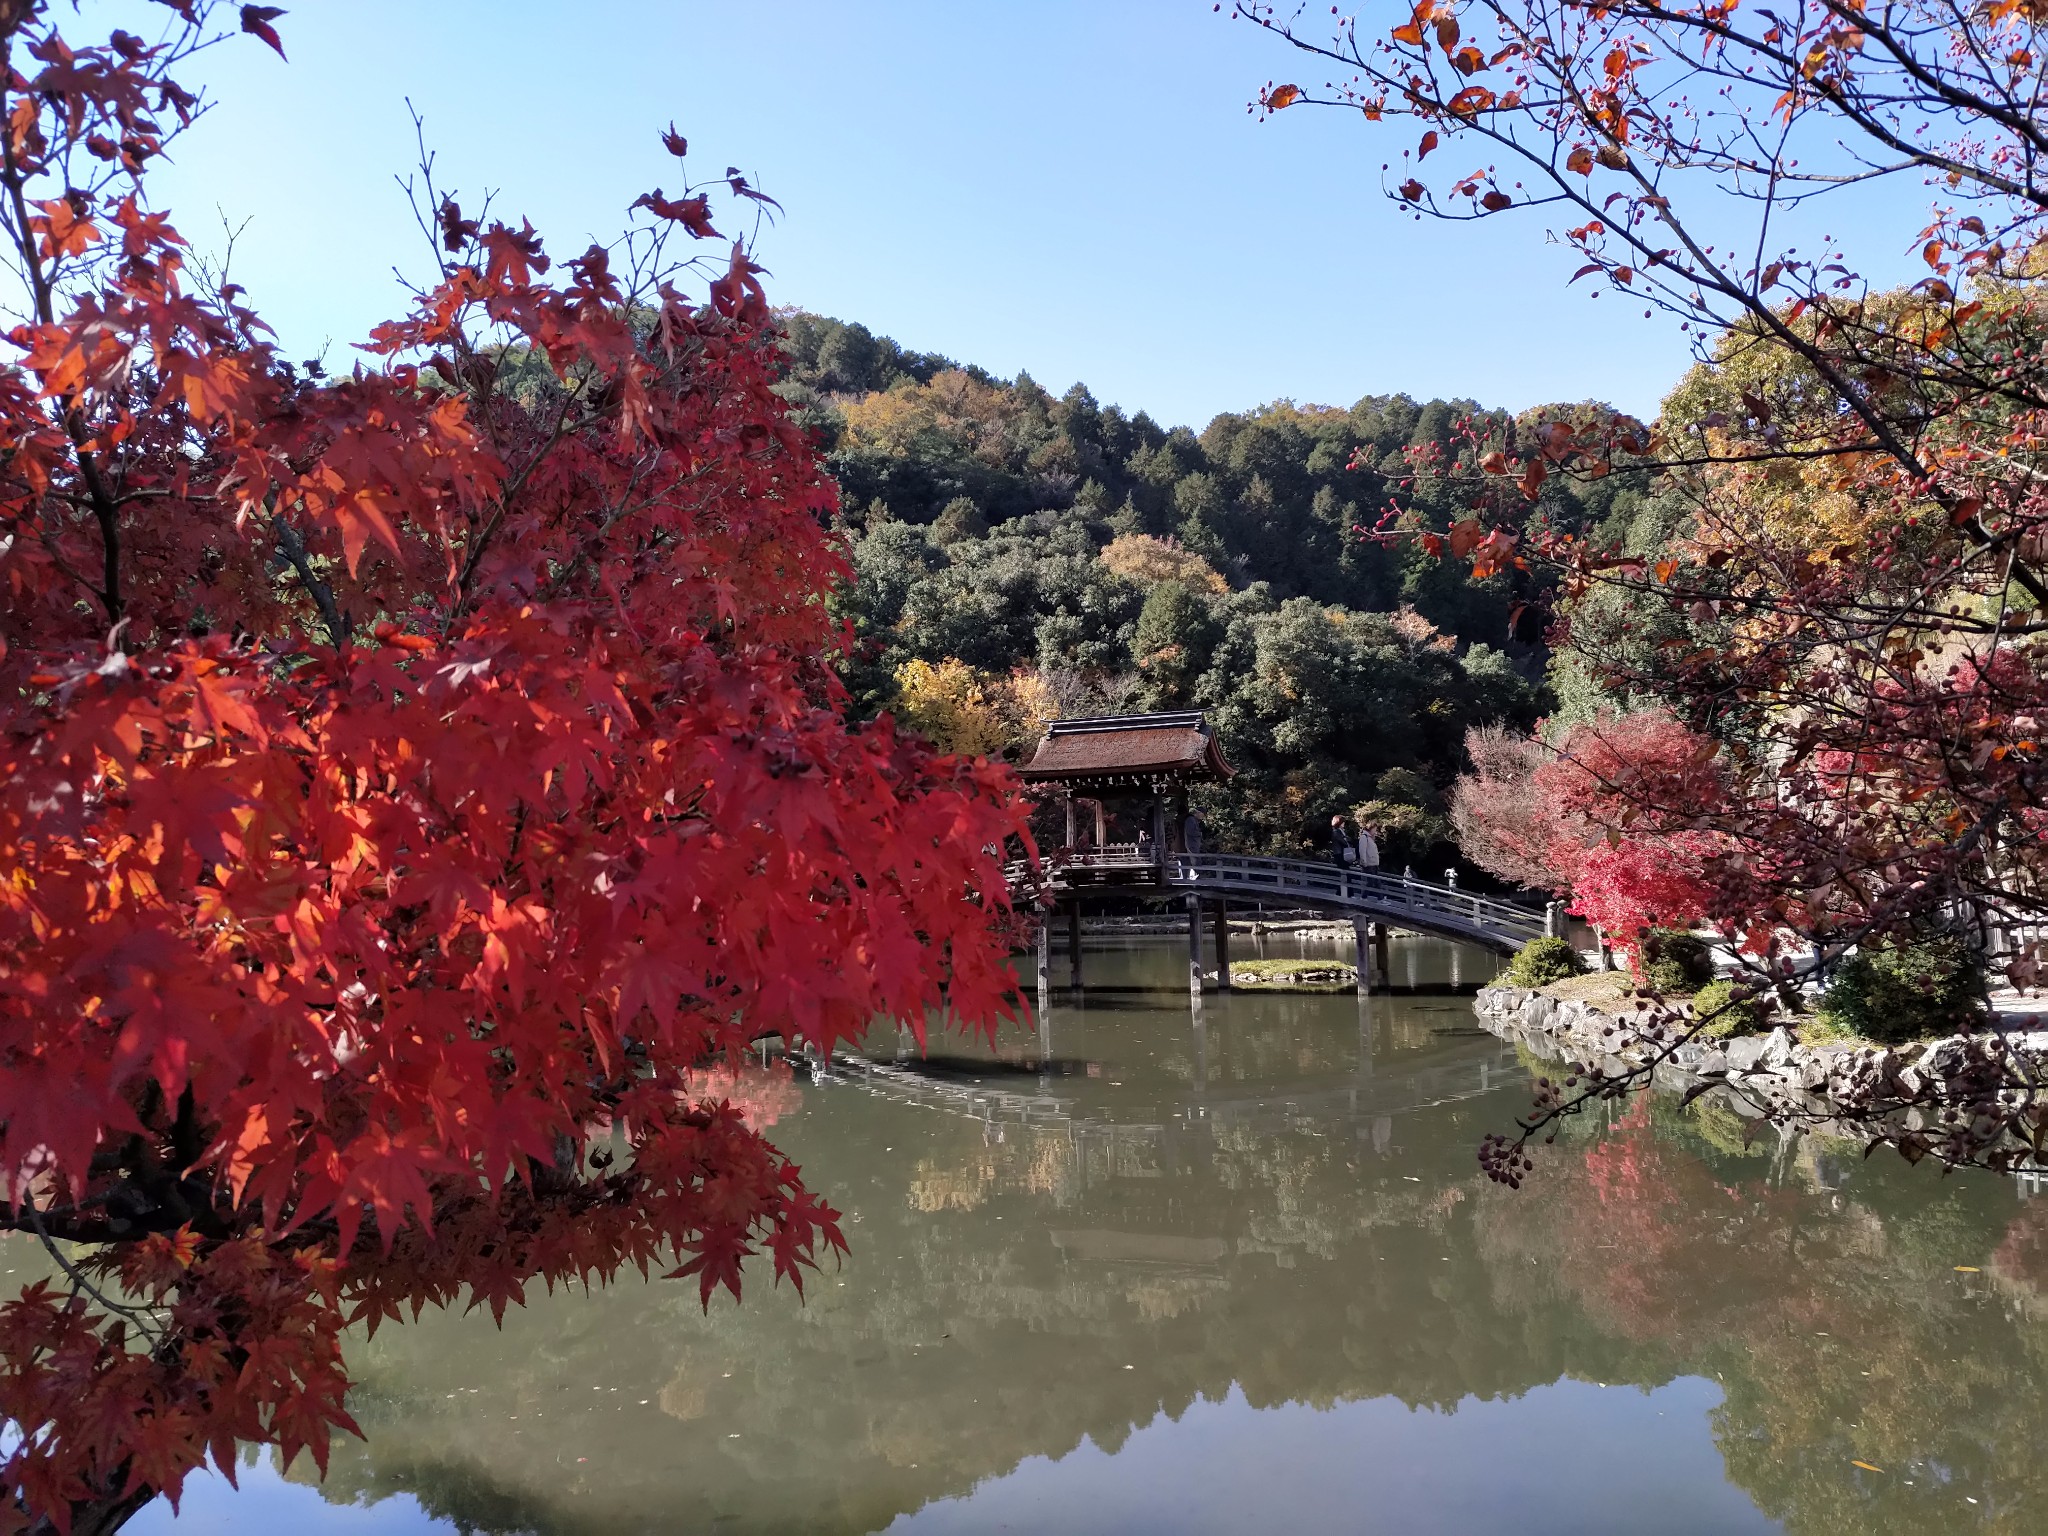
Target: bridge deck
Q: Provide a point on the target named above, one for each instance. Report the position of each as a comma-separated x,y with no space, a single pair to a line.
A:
1417,905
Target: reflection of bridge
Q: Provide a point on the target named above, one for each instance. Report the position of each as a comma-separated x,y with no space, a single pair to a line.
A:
1366,1093
1369,898
1163,1136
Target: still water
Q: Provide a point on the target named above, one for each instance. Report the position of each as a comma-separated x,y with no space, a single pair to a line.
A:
1242,1274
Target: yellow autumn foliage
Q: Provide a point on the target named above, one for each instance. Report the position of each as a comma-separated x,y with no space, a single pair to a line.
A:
1025,701
953,416
1800,492
1145,561
959,710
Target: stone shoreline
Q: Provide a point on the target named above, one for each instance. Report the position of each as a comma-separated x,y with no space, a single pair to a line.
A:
1756,1072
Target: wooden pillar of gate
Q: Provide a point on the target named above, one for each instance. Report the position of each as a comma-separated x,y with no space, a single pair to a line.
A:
1222,945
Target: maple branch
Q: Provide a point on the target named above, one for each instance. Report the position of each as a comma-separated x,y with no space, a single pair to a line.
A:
47,538
571,397
293,547
104,511
151,1326
1702,269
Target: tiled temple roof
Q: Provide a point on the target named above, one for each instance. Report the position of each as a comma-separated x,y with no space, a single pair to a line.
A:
1128,750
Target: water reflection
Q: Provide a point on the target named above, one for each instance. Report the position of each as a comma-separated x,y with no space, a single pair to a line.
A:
1250,1266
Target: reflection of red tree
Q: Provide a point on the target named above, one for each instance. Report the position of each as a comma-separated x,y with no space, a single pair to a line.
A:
1627,1180
2021,1260
1662,1246
762,1095
1835,1325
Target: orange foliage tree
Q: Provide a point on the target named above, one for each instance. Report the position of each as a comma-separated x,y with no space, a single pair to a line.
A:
1857,593
1854,605
418,788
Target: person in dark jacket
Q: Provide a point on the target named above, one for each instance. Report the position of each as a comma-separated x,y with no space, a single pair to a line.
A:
1343,852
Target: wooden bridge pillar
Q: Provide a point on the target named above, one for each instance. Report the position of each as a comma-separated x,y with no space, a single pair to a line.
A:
1222,945
1359,927
1380,956
1195,949
1044,966
1074,946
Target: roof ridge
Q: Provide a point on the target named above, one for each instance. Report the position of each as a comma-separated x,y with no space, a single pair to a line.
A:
1184,719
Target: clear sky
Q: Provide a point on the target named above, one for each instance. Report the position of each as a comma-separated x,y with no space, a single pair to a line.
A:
1069,187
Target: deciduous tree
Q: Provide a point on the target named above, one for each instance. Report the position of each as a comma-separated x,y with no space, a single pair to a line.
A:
419,786
1860,575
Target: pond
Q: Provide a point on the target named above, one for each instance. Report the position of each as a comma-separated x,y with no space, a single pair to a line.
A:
1239,1274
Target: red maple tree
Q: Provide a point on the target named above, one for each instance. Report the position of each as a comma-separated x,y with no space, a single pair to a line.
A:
1619,815
416,784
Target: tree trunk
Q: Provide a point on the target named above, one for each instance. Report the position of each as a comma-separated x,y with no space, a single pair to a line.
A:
100,1516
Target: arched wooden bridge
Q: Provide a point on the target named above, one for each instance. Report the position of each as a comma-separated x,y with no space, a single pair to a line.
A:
1371,899
1417,905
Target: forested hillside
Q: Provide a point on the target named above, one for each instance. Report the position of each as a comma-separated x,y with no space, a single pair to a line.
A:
1020,555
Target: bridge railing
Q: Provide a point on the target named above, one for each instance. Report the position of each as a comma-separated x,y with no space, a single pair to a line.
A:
1352,887
1301,880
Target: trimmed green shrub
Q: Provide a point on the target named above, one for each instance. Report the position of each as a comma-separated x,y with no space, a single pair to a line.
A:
1895,992
1674,961
1542,961
1738,1016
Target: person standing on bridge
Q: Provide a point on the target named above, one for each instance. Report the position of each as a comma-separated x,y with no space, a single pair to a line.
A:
1191,832
1342,854
1368,847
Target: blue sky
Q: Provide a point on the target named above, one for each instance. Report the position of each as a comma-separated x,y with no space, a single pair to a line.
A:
1074,189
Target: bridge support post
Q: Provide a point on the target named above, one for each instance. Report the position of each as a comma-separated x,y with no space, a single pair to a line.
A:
1380,956
1364,956
1044,967
1074,946
1195,949
1222,945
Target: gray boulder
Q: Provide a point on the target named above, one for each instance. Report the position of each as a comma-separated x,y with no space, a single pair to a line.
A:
1744,1054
